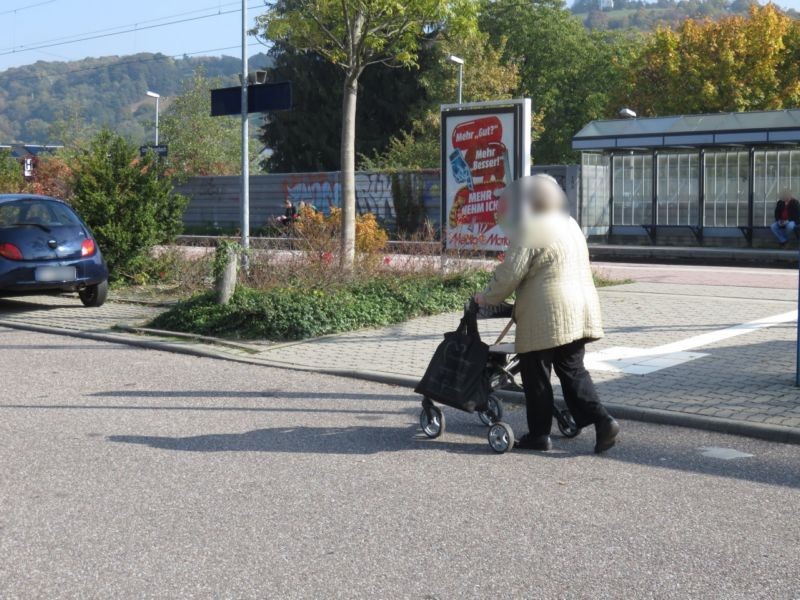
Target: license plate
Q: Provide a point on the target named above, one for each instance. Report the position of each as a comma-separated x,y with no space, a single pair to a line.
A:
55,274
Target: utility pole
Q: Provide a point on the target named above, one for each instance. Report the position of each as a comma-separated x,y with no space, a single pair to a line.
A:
245,141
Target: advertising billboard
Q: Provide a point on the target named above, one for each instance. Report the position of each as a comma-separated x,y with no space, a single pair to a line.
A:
485,146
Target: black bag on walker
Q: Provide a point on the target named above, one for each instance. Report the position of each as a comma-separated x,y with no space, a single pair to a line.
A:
456,375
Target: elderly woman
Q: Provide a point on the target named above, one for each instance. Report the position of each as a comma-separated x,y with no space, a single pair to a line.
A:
557,309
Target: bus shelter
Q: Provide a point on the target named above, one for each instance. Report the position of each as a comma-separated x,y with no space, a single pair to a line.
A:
692,179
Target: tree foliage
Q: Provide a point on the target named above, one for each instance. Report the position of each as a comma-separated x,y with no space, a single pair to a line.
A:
200,144
486,77
566,70
733,64
646,15
107,91
11,180
307,138
126,200
352,35
52,177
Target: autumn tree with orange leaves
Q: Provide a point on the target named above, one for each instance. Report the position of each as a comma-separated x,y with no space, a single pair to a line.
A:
736,63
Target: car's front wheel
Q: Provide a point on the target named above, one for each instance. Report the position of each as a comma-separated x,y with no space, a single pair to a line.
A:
94,295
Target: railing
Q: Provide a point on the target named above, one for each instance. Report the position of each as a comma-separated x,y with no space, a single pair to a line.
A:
290,243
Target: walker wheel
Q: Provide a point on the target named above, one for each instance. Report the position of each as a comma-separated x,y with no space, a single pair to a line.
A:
566,424
493,412
431,420
501,437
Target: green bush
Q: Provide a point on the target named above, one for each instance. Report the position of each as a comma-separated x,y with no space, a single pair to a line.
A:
11,180
126,200
294,313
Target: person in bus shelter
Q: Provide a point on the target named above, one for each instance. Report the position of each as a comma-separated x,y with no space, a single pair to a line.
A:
787,215
557,309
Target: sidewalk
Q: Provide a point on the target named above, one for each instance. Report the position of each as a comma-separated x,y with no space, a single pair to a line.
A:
710,356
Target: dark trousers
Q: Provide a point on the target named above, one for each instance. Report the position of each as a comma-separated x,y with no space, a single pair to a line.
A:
576,383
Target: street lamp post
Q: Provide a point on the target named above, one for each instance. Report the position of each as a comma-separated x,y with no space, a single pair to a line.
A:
158,98
460,62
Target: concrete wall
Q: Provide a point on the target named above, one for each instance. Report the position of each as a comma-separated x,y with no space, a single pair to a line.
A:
214,201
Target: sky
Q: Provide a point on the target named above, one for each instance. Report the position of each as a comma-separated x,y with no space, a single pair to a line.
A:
29,23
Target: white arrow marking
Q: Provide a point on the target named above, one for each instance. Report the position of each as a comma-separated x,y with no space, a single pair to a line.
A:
641,361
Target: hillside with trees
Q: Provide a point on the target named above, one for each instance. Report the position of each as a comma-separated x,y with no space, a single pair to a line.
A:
38,100
641,15
542,50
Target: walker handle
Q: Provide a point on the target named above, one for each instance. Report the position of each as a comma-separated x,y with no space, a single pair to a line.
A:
504,332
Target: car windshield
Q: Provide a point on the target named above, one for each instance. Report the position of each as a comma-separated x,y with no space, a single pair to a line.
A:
39,213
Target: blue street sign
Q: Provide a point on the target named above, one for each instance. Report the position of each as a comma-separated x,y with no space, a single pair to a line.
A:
263,97
161,150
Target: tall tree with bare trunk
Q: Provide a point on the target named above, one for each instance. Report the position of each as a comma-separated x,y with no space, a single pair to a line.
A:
355,34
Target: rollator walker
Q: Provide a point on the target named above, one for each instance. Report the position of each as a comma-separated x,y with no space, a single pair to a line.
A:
501,369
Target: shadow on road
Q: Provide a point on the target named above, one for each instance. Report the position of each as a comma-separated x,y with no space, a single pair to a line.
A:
650,446
20,305
305,440
134,393
256,409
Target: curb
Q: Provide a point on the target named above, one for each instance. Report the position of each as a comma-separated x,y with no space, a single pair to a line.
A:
773,433
762,431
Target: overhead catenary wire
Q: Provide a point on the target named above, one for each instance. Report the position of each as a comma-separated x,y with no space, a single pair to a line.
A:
26,7
125,26
133,28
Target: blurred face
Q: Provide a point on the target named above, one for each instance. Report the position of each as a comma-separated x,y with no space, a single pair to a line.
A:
529,211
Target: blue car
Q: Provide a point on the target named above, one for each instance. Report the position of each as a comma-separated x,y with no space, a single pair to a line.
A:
46,248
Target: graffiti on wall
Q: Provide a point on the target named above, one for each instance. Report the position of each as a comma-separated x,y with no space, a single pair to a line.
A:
216,200
324,191
321,190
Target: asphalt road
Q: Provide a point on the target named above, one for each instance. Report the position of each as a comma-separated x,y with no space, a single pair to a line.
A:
130,473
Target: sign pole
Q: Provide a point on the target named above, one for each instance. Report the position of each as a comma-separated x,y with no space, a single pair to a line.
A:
245,141
797,347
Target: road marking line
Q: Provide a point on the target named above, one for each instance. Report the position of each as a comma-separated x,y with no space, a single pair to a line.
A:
642,361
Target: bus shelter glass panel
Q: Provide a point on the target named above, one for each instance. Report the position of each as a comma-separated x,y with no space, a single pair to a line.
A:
775,171
633,189
726,178
595,192
678,197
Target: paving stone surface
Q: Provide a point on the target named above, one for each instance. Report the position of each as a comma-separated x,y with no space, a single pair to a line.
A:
67,312
749,377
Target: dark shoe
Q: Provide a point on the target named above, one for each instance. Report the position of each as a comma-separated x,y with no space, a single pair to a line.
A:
606,432
534,442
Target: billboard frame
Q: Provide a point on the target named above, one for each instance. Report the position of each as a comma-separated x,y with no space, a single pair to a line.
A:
520,108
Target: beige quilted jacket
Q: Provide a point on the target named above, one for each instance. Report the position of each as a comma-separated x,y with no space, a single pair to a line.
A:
556,301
